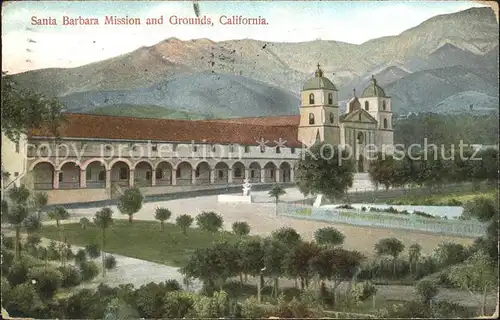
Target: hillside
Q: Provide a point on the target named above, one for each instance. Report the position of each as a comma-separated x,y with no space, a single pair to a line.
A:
421,67
212,95
141,111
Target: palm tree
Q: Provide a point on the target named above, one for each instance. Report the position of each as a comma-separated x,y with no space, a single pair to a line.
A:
276,192
40,200
162,214
103,219
15,216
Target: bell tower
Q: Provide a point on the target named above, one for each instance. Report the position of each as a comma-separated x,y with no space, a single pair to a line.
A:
319,111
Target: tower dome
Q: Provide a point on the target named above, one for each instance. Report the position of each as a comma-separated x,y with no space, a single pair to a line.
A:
373,90
319,82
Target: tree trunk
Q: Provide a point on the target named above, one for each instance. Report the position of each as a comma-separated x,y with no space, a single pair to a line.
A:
276,209
57,223
130,218
483,305
103,254
161,224
241,279
17,244
302,283
394,268
276,287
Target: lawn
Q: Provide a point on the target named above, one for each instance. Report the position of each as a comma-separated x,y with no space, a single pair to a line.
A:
142,240
445,198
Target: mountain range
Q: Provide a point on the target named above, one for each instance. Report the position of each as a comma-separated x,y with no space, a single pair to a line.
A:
445,64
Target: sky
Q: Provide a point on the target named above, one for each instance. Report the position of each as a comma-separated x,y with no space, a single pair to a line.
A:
27,47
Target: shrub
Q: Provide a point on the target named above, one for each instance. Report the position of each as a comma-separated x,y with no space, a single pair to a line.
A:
80,256
363,208
24,299
241,228
5,289
88,270
70,276
53,251
33,240
7,260
47,281
110,262
345,206
93,250
209,221
172,285
423,214
426,290
184,221
454,202
18,272
9,243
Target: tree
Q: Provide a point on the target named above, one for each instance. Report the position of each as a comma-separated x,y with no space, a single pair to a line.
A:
276,192
449,253
327,170
40,200
391,247
16,216
274,255
478,274
46,280
251,256
414,252
130,202
109,262
480,208
382,170
103,219
241,228
162,214
89,270
19,195
328,236
184,221
24,110
84,222
426,290
59,213
335,265
209,221
93,250
287,236
297,260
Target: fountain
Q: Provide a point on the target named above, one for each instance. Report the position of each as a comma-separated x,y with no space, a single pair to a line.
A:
245,197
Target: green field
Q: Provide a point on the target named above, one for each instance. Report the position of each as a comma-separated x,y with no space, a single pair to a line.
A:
147,112
142,240
444,198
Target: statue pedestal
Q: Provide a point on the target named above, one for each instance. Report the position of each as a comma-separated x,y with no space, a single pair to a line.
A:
230,198
319,201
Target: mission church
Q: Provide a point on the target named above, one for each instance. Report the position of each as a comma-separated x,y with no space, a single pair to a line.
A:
97,156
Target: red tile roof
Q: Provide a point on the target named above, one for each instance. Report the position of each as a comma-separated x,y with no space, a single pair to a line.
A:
265,121
247,132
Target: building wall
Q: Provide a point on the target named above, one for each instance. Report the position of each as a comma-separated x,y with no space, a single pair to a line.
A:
13,160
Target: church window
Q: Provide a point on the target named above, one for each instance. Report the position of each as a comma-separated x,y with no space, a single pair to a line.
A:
383,105
330,98
367,106
293,150
221,174
332,117
311,118
385,123
231,148
311,98
278,150
195,148
318,138
262,149
159,173
359,116
247,149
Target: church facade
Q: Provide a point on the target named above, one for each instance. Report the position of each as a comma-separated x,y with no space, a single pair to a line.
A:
95,157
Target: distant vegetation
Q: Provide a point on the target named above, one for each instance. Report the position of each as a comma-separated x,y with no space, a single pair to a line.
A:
129,110
447,129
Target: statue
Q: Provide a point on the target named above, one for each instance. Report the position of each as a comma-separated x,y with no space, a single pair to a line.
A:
247,186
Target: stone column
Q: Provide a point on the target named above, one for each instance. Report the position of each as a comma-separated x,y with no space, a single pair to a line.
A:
277,174
262,175
83,179
229,176
193,176
212,176
174,177
108,178
247,173
153,177
55,183
292,175
131,177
